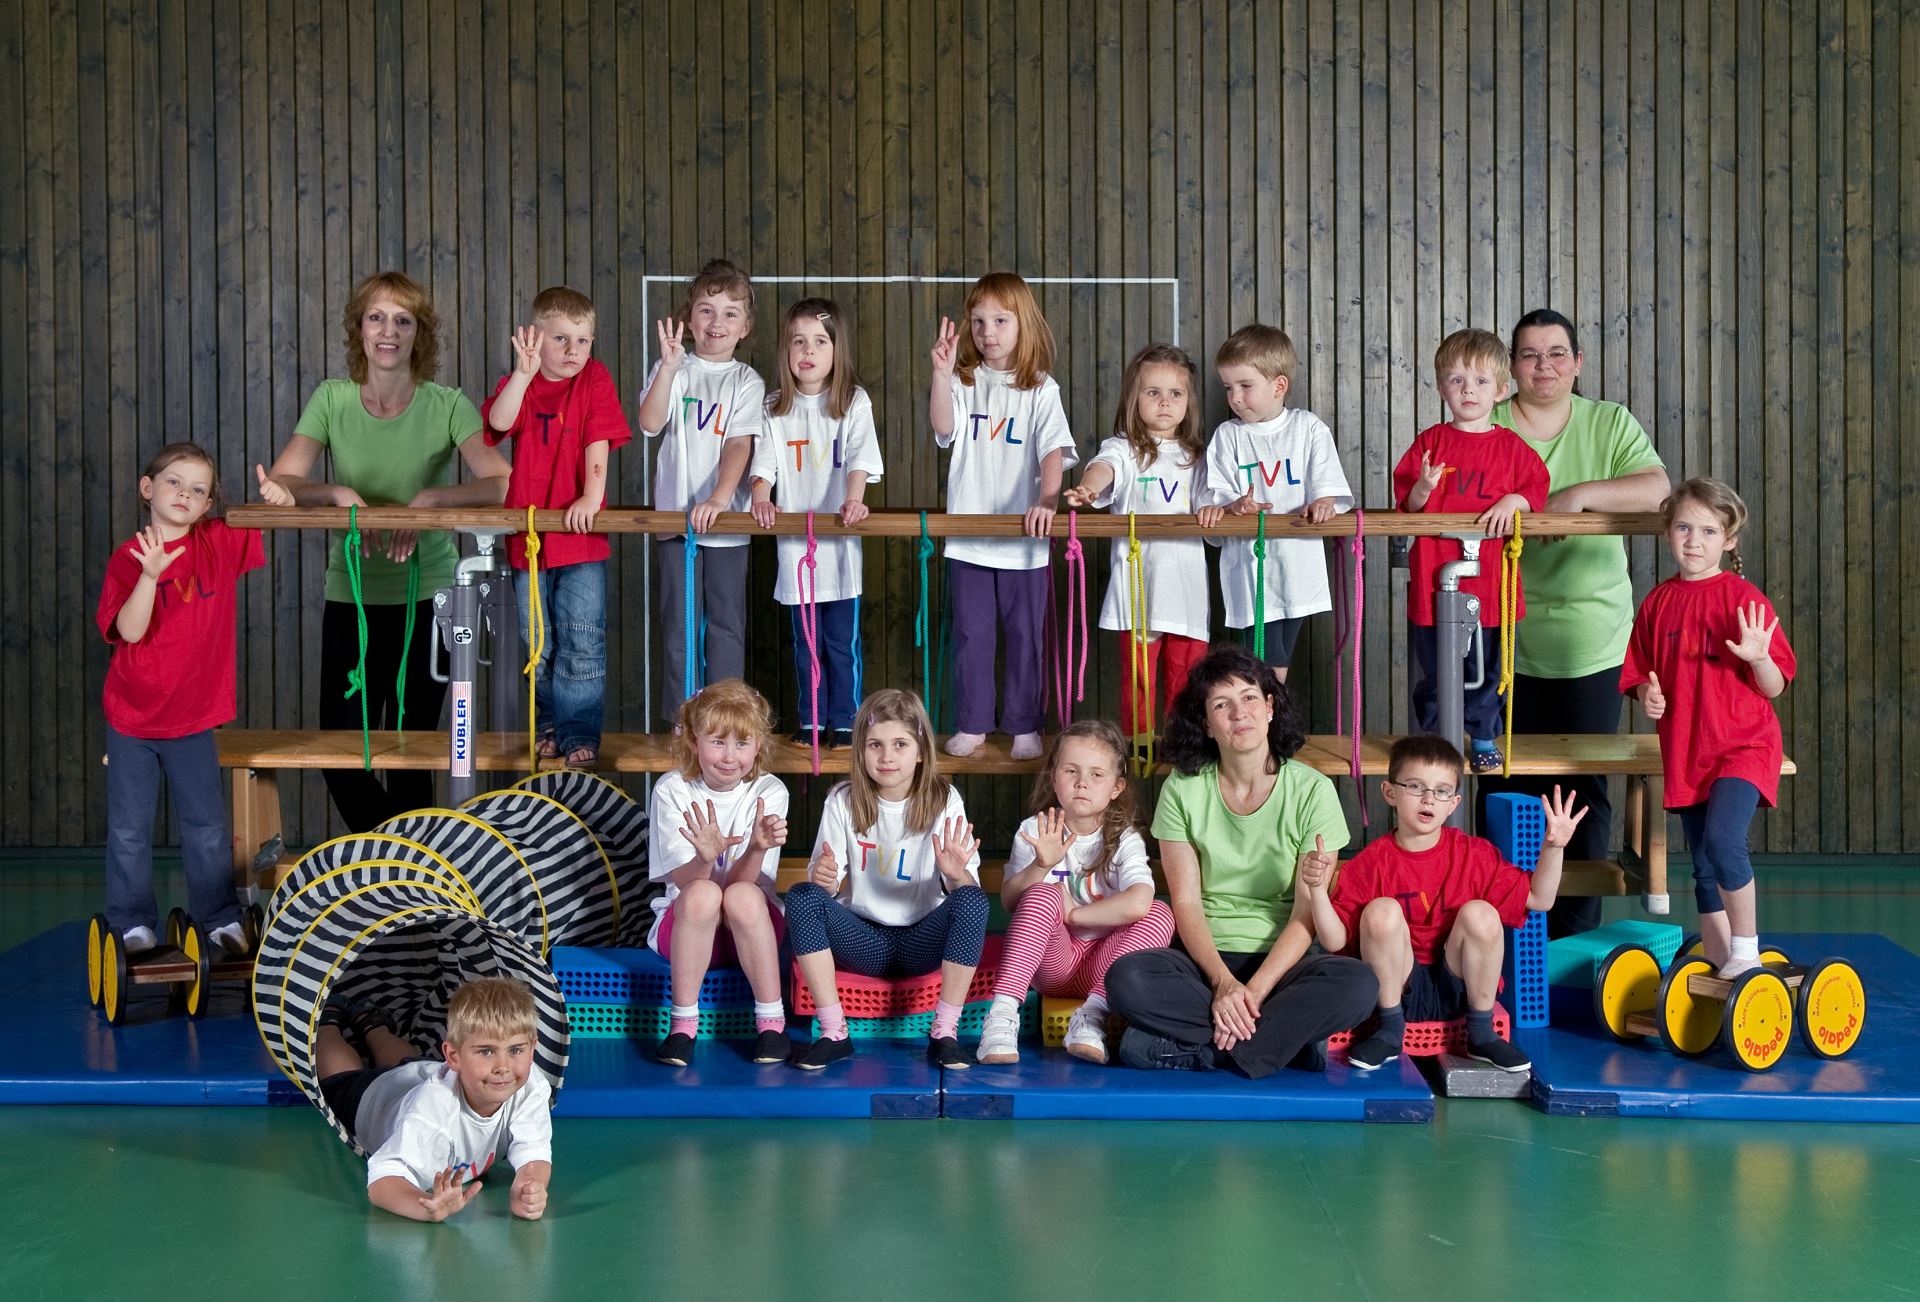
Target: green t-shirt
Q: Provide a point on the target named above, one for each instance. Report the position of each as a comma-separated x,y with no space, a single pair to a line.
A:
1247,860
1579,594
387,462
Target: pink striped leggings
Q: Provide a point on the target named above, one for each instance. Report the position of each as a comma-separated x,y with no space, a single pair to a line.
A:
1040,952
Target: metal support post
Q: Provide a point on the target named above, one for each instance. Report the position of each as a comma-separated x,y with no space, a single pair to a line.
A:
1456,618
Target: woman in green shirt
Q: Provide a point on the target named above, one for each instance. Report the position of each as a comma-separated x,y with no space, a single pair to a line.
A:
1247,837
391,433
1569,648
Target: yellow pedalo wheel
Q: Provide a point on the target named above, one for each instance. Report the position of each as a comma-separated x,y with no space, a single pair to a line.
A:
97,933
1689,1025
193,944
1758,1020
1833,1008
1628,982
113,979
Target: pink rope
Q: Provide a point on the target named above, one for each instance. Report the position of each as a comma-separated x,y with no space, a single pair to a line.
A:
808,572
1349,625
1077,564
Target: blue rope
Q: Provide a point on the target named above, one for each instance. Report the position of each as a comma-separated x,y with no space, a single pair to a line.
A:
690,673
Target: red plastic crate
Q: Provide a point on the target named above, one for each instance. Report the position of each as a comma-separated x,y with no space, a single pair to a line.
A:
862,996
1426,1039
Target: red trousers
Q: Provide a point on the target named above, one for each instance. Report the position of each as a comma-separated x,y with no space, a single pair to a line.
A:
1170,658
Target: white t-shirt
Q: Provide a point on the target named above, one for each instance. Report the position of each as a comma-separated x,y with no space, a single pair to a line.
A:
1000,436
1288,461
415,1122
1174,569
709,404
807,455
668,848
1128,867
887,875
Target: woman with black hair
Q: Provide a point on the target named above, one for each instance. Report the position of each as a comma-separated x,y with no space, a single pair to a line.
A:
1247,837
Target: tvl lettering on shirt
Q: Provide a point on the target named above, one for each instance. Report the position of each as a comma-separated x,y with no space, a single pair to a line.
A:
1004,424
186,589
546,419
704,414
799,447
465,1171
1285,463
1168,487
887,852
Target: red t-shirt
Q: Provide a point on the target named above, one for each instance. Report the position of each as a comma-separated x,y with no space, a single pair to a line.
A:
1481,469
558,419
1431,886
178,679
1717,723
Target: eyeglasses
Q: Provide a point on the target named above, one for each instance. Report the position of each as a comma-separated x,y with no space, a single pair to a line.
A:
1420,791
1555,357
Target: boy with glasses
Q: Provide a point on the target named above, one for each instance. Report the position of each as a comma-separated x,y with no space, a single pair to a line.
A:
1427,907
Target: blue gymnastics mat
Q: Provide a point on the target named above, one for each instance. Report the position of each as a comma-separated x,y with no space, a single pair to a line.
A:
1051,1084
59,1050
884,1080
1579,1070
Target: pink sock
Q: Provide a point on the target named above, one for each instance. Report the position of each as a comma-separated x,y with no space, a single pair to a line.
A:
946,1019
684,1026
833,1022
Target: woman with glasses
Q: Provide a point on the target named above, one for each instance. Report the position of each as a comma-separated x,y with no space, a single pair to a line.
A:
1247,842
1569,649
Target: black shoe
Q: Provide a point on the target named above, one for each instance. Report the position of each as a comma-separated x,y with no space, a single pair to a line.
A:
1373,1052
772,1046
363,1017
821,1053
804,735
840,739
946,1052
1312,1057
675,1051
1498,1053
1150,1052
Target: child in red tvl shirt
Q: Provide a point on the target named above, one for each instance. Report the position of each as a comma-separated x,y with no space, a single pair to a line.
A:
167,606
1706,660
1426,908
1466,464
559,406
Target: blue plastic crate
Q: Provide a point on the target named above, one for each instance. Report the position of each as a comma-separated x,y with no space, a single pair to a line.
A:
1517,825
638,977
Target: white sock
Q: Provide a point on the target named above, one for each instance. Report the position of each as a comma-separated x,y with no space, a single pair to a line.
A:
772,1009
1744,948
1094,1005
1005,1004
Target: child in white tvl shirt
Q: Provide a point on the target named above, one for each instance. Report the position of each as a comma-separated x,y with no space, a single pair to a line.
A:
1279,460
894,886
1153,466
706,407
432,1129
996,406
817,453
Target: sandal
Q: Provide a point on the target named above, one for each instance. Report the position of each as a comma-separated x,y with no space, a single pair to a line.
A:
547,747
583,757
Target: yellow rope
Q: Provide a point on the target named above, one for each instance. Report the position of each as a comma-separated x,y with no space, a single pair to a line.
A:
1139,658
1509,604
536,642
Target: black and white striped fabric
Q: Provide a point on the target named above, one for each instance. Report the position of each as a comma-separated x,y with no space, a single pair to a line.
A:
619,822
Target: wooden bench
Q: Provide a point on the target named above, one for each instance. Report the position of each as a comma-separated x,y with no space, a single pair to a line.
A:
257,757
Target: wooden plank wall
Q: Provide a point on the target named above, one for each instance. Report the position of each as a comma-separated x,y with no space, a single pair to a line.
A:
1725,196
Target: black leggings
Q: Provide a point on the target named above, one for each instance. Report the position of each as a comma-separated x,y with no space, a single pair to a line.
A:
953,933
1590,704
363,800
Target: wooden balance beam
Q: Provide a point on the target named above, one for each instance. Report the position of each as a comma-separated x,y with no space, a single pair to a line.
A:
257,757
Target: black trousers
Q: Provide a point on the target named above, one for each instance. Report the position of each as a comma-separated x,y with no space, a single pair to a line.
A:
364,801
1590,704
1164,991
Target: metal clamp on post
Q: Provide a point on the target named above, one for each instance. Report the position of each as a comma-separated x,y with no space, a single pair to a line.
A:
457,619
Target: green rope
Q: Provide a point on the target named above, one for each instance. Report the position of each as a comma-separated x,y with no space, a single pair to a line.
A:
406,642
357,677
1260,587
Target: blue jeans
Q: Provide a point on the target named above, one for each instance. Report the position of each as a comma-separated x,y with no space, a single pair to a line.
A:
568,686
1716,831
192,768
839,642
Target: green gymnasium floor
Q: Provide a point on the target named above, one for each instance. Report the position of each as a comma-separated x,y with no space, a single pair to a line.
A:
1492,1201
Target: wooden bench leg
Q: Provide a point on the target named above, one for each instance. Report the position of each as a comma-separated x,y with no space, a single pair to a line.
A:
256,821
1650,840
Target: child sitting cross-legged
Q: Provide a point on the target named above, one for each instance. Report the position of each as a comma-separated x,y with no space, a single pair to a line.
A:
434,1128
1427,907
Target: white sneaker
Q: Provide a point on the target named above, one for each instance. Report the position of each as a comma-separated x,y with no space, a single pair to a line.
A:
137,940
1734,968
1000,1036
230,940
1028,745
963,744
1087,1034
